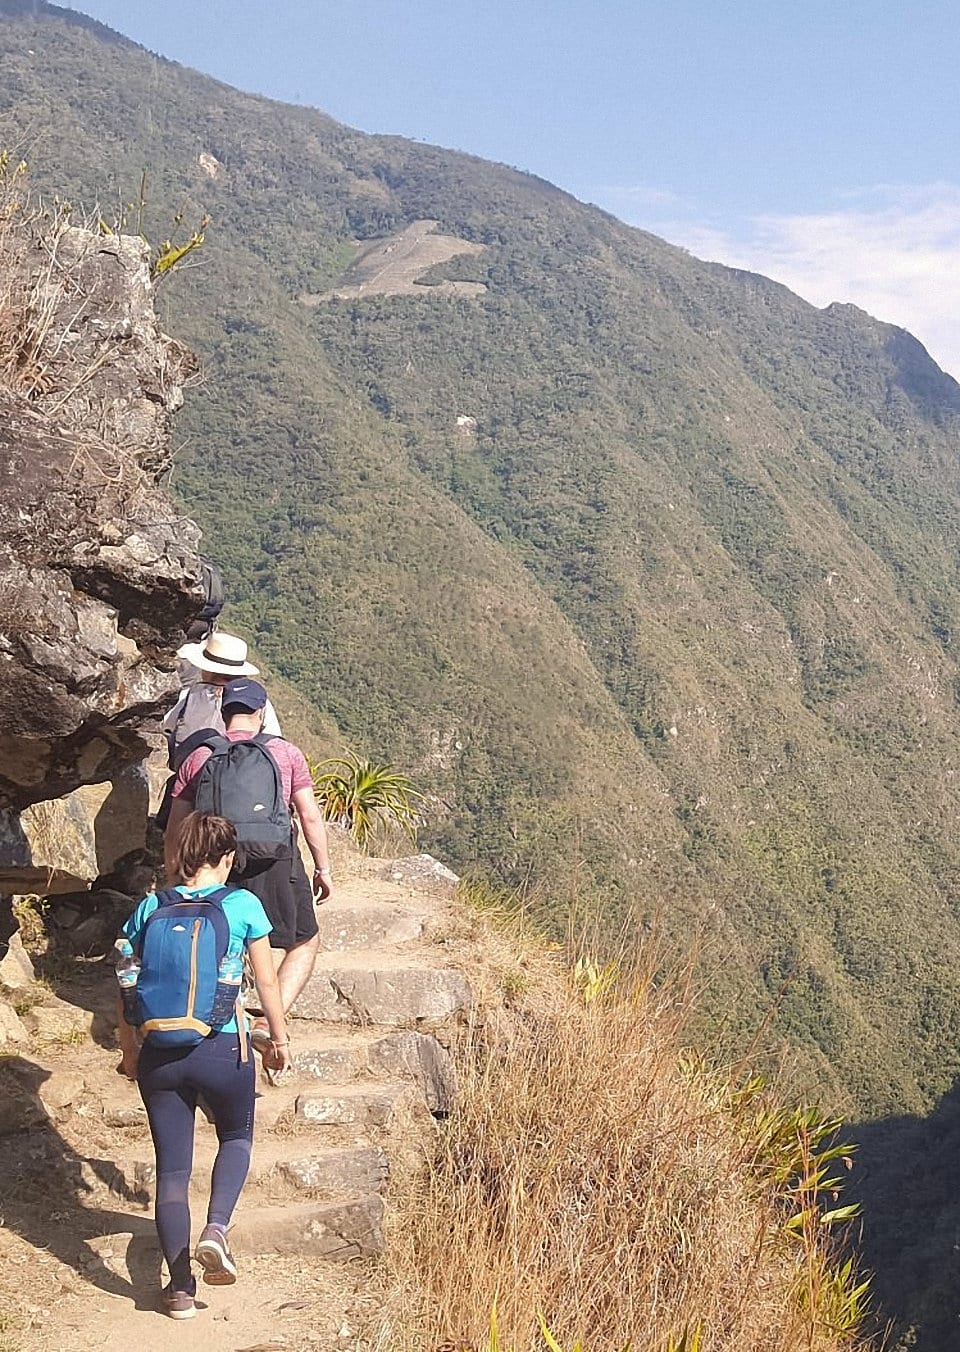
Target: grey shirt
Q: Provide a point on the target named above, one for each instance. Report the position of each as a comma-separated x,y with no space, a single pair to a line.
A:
199,707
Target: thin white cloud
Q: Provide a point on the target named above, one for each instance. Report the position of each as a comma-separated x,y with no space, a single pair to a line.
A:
892,250
623,199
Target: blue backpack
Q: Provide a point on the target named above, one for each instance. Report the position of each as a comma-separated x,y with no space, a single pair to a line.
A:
179,998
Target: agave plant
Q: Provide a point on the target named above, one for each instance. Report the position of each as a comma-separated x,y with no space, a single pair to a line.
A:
358,794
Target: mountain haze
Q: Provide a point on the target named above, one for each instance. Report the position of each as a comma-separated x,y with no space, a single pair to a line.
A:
645,567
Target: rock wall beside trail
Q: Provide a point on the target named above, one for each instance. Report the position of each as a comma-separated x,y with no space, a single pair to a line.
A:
98,575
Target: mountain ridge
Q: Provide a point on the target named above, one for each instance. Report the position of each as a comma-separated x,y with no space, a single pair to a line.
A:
668,628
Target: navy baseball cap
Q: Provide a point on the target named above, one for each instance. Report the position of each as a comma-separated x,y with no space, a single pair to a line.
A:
243,694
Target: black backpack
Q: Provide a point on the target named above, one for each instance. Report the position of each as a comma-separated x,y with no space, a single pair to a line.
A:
213,590
214,595
241,781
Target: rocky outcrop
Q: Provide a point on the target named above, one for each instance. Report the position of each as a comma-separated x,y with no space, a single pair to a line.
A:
98,575
61,845
421,871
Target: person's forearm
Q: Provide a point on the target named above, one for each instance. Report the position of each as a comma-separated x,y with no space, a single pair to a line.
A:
169,844
126,1036
315,834
272,1006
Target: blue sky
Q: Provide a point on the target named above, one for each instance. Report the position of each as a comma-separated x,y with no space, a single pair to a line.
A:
816,142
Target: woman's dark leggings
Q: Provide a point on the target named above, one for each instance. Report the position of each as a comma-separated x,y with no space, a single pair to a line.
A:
170,1081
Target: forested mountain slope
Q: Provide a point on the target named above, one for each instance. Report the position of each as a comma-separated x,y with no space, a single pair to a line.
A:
644,567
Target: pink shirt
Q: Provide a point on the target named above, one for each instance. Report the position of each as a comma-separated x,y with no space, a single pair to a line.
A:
291,762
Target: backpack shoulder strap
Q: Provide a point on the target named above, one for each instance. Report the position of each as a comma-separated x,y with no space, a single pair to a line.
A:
218,897
169,897
202,737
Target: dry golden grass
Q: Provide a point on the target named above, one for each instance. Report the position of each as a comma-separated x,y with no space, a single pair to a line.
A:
63,333
597,1175
31,291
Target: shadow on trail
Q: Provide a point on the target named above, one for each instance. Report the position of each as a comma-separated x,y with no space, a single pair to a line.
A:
43,1185
87,985
907,1178
125,810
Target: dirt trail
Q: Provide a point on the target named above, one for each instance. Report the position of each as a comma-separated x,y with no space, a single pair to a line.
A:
79,1264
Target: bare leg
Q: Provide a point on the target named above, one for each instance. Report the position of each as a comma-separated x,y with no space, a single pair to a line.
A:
295,968
293,974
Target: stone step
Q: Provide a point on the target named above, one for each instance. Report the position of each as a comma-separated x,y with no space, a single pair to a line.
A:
319,1052
335,1063
363,1169
372,988
334,1230
339,1056
351,924
333,1173
420,1058
358,1105
277,1116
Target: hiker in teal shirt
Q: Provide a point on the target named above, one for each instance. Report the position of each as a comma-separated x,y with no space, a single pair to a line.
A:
218,1066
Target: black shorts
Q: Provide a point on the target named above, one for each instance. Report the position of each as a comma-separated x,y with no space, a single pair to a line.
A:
282,886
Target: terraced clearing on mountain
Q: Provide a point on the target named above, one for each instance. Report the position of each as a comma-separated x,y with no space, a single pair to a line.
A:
396,266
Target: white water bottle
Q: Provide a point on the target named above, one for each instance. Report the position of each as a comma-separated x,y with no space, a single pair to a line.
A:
128,965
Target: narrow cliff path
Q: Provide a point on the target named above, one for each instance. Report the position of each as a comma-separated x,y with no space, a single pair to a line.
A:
79,1264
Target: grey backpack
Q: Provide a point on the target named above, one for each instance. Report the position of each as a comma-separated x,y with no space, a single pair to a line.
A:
200,710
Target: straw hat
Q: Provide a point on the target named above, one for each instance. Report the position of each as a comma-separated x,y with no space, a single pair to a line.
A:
219,652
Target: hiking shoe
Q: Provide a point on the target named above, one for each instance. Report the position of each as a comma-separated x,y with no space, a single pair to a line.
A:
178,1304
214,1256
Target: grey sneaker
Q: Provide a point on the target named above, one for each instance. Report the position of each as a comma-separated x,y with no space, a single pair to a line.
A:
214,1256
178,1304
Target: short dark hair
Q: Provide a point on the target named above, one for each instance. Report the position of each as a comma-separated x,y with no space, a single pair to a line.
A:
203,839
228,712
